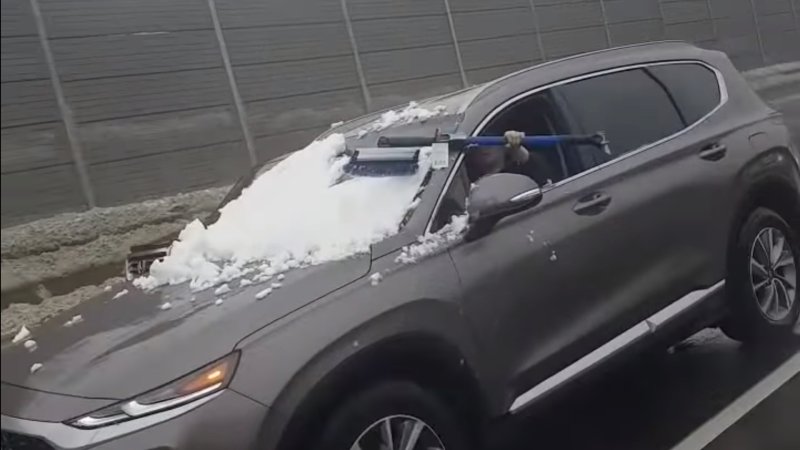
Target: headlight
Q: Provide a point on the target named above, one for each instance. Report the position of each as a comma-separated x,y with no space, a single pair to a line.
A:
207,380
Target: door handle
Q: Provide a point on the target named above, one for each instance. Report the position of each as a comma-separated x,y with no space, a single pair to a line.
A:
592,204
714,152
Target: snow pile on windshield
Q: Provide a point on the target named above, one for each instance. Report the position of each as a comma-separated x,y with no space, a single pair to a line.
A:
409,114
430,243
298,213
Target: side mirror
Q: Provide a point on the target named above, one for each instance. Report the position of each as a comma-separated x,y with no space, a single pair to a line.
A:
497,196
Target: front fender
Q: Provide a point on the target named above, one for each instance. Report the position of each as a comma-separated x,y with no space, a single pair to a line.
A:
281,365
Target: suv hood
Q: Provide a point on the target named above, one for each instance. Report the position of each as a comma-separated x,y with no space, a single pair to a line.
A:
129,345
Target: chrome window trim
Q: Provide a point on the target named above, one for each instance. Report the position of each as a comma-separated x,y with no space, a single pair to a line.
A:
723,99
525,196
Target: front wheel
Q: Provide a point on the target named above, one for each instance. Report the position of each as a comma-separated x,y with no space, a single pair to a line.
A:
762,281
394,415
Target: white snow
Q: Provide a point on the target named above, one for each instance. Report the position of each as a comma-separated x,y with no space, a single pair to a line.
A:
299,213
165,306
276,285
264,293
107,288
409,114
281,277
337,124
23,334
35,367
223,289
375,278
74,320
245,282
553,256
119,294
218,301
432,242
30,345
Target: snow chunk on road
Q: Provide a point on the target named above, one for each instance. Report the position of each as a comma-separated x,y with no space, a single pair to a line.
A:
30,345
245,282
35,367
299,213
119,294
375,278
223,289
107,288
23,334
218,301
165,306
432,242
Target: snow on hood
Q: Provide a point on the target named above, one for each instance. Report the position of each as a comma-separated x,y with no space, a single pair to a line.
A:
296,214
410,114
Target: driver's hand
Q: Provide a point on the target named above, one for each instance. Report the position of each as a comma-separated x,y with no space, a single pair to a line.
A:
514,138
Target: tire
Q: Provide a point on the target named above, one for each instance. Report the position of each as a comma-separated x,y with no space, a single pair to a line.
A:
404,406
752,319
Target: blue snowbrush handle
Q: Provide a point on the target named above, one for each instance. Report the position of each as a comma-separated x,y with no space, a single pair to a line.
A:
537,141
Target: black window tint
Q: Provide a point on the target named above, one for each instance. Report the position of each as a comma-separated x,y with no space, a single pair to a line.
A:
693,87
631,107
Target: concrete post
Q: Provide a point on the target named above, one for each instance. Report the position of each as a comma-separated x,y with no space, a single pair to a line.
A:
241,113
362,79
758,33
605,23
63,108
459,61
538,31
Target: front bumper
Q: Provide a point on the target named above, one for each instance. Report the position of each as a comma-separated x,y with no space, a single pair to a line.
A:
225,420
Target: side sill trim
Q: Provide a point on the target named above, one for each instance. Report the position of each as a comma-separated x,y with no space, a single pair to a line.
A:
615,346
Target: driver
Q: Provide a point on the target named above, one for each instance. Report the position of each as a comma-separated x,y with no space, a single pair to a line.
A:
513,158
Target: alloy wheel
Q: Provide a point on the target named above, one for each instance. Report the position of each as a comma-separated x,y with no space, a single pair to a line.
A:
400,432
773,274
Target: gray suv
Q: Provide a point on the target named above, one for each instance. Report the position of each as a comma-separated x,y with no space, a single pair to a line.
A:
690,219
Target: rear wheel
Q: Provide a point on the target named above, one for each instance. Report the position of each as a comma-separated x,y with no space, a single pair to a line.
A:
762,281
395,415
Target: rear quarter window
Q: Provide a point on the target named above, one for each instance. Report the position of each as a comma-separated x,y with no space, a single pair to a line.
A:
693,87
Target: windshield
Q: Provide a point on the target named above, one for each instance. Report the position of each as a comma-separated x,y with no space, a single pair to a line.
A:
303,211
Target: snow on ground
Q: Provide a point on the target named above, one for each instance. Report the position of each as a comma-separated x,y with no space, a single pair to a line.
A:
302,212
433,242
120,294
19,314
375,278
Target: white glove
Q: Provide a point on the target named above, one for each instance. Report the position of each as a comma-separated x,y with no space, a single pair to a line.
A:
514,138
516,152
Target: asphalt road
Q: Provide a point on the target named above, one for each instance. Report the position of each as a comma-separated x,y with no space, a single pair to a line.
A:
654,404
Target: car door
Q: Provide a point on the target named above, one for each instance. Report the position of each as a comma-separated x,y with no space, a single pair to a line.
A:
594,258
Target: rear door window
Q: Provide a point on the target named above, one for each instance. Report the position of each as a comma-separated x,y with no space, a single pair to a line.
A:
693,87
631,107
